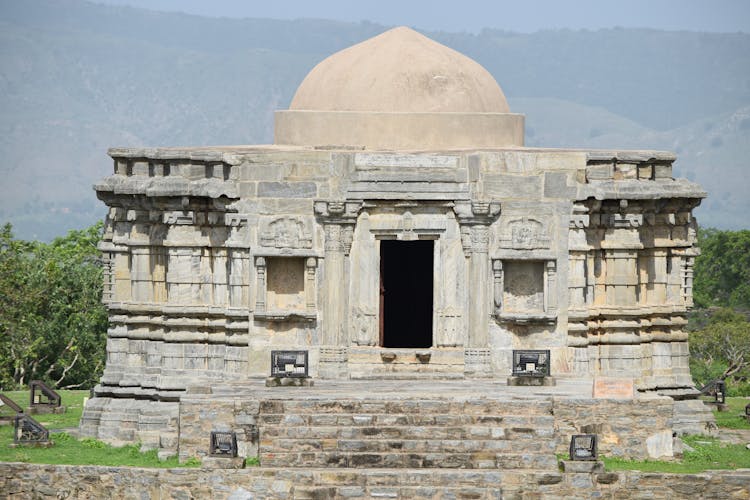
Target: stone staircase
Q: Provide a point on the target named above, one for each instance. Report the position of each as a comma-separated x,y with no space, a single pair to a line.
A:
506,434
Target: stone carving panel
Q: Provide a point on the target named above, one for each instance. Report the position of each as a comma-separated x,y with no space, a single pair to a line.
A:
525,233
285,233
364,324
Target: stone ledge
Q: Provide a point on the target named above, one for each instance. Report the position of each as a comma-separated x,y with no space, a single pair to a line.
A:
532,381
582,466
223,463
289,382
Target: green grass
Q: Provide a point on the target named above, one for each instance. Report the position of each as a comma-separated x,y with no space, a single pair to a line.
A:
708,453
731,418
73,400
70,451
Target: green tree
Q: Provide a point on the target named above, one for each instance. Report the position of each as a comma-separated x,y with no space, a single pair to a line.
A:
52,322
722,271
721,349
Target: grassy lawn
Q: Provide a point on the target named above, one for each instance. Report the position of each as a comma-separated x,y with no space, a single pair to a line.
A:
708,453
731,418
71,451
72,399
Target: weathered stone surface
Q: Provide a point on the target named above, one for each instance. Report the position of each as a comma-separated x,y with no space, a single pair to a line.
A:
27,481
287,189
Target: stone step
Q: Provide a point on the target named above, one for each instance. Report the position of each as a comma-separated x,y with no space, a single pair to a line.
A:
397,419
406,445
409,407
406,432
479,460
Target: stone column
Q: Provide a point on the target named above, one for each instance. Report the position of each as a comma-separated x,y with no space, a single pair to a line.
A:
622,245
475,218
260,284
140,274
687,287
220,278
338,219
310,302
239,283
497,274
551,285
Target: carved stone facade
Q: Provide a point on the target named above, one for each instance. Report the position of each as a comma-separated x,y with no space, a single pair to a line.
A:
214,257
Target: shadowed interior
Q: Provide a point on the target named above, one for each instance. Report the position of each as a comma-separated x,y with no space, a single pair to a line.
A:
406,269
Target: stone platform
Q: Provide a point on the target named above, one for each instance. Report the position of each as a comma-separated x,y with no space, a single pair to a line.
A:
458,424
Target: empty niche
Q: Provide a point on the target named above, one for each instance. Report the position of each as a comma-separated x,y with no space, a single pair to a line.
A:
523,286
286,283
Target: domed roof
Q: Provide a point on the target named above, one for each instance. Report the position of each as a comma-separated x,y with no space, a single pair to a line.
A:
400,71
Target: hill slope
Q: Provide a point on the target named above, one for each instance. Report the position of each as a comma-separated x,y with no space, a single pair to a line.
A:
77,78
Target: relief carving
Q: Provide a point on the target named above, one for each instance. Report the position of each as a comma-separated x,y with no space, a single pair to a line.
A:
286,232
525,233
363,327
450,331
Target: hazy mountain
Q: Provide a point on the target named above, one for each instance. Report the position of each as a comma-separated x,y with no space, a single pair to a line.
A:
77,78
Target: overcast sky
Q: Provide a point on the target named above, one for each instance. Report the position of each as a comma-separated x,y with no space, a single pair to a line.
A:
473,15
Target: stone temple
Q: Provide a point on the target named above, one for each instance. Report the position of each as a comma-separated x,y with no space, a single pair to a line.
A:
397,229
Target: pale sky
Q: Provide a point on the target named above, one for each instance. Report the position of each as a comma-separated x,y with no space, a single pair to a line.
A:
473,15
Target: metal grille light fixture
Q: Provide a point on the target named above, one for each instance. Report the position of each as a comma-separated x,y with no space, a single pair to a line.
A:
531,363
721,392
289,364
583,447
223,444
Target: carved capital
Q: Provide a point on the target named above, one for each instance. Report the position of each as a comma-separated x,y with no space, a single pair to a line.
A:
476,212
341,212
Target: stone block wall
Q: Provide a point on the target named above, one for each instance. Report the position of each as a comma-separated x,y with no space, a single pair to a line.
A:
633,429
32,481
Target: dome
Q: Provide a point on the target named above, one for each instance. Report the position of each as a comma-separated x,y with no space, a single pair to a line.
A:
399,91
400,71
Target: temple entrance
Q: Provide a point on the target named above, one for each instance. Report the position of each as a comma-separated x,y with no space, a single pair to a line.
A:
406,275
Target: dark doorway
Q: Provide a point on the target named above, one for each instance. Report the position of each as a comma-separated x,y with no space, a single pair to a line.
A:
406,293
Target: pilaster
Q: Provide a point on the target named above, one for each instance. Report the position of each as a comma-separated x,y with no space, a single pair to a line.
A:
338,219
474,219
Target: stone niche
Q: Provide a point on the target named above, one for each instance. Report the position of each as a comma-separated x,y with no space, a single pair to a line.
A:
286,283
523,287
285,288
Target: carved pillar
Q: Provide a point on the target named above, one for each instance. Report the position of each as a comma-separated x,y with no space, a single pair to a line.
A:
497,274
115,264
622,243
551,295
140,274
260,284
687,283
334,288
220,276
310,264
239,283
338,219
475,218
